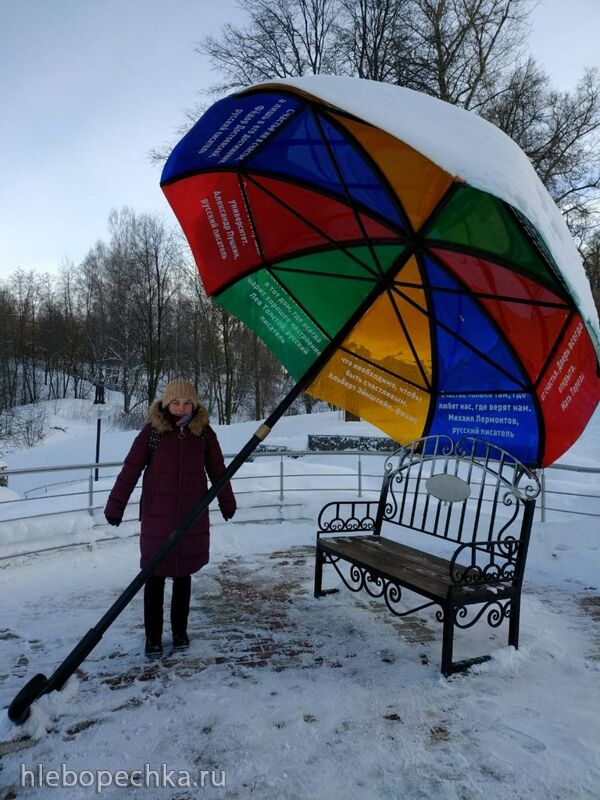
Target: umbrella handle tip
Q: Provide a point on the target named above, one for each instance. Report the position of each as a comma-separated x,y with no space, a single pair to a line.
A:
20,708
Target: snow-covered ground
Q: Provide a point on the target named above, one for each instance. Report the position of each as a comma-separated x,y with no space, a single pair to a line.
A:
288,696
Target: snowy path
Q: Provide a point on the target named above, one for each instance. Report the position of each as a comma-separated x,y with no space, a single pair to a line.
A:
298,698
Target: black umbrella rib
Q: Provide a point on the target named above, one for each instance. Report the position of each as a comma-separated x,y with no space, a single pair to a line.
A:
377,171
294,180
252,220
462,340
485,295
493,258
349,198
320,273
532,385
379,287
315,108
273,267
409,340
431,411
266,265
299,304
554,350
301,106
311,225
529,386
336,340
387,371
537,243
193,173
551,282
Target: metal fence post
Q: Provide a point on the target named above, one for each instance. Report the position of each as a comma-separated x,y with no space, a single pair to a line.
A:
543,495
359,476
281,478
91,494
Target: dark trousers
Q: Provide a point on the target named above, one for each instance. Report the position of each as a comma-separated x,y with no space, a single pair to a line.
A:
154,594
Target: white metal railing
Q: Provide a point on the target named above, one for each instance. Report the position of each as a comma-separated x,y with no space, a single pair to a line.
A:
557,493
281,482
357,480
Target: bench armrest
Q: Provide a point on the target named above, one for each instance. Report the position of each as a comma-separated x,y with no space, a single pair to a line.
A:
350,516
489,562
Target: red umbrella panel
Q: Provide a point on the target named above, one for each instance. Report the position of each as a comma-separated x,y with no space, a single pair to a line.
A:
434,307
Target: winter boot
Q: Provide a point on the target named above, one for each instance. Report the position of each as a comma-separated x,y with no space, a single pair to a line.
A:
153,648
181,642
153,615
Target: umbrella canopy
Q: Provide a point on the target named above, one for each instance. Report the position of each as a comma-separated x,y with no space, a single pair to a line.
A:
404,248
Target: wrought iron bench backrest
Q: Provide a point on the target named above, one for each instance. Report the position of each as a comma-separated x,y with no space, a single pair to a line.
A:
485,494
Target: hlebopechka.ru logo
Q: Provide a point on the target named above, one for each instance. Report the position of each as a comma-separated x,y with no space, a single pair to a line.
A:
100,779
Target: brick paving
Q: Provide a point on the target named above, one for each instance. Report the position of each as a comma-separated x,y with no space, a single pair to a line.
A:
413,629
250,624
256,621
246,625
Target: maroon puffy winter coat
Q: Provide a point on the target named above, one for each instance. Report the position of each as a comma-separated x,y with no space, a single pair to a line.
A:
173,484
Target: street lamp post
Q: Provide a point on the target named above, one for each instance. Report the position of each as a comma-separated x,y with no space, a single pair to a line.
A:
99,411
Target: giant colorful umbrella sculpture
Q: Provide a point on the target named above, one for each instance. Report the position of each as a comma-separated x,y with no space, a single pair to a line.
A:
399,251
402,260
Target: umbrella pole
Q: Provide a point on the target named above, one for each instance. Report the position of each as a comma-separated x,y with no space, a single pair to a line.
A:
19,709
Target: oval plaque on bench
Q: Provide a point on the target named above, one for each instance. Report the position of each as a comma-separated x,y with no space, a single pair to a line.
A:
448,488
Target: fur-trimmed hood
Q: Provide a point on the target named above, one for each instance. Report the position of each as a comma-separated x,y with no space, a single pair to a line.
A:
160,422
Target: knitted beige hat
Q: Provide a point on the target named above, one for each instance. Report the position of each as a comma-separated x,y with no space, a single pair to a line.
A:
180,388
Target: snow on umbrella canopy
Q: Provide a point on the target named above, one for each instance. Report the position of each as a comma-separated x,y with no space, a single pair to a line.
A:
434,307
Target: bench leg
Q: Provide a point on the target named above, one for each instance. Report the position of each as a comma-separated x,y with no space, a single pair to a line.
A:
448,666
448,640
319,561
513,622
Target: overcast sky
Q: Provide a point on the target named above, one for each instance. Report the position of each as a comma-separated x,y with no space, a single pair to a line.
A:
89,87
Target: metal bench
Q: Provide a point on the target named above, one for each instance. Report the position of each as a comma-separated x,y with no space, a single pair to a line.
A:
458,515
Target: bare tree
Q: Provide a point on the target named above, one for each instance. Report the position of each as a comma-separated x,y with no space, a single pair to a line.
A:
374,40
157,260
284,38
591,261
147,256
459,49
8,361
124,352
69,346
26,304
452,49
559,133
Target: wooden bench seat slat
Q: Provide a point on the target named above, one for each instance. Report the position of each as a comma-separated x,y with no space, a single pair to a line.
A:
407,557
412,574
410,567
434,563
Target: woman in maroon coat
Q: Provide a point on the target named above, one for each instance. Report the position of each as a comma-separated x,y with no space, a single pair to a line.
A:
182,449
